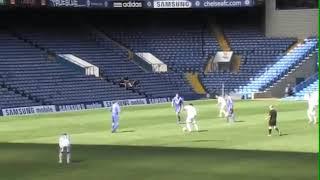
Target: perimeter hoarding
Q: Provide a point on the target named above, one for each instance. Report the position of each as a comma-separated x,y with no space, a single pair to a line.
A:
151,4
167,4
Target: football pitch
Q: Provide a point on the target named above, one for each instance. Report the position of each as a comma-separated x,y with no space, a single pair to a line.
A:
151,146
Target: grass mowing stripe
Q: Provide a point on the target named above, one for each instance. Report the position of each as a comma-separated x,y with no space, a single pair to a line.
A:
151,146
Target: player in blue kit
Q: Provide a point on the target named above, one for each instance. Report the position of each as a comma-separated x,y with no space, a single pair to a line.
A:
230,110
177,103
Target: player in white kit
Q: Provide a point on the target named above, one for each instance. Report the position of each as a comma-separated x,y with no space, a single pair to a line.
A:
222,106
191,117
64,147
312,107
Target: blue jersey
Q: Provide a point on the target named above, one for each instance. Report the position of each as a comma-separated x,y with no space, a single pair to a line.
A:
229,104
177,102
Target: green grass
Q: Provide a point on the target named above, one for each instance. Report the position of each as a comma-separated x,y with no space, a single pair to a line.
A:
151,146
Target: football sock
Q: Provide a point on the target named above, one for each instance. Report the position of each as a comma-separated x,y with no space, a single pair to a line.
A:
189,127
196,127
68,158
60,157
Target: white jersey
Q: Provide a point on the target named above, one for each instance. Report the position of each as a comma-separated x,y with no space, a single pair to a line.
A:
115,109
191,111
313,100
221,101
64,141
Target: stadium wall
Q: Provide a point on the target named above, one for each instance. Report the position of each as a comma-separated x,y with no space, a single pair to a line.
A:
299,23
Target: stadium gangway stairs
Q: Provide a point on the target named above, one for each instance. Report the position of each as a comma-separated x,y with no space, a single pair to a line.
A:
280,68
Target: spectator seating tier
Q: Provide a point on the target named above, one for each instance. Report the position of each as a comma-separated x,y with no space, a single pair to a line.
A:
112,60
28,70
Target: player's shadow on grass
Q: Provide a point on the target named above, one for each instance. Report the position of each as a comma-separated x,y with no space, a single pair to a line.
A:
204,130
206,140
126,131
285,134
77,161
239,121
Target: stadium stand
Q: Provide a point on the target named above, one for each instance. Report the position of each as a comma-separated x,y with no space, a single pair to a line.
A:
27,66
256,51
182,50
111,59
272,73
308,86
10,99
28,70
184,47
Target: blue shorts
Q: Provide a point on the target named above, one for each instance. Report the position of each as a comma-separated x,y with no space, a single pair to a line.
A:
177,109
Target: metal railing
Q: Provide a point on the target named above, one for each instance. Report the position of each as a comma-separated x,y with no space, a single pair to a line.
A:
306,82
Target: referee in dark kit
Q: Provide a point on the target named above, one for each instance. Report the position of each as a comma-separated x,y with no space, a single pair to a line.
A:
273,120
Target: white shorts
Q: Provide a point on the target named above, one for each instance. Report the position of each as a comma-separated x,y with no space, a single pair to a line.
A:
191,119
65,149
312,112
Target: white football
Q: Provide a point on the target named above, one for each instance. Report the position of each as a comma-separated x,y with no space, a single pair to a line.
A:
184,129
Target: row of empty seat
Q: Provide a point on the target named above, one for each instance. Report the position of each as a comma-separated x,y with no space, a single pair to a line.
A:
244,39
280,68
10,99
29,71
112,60
183,46
256,51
